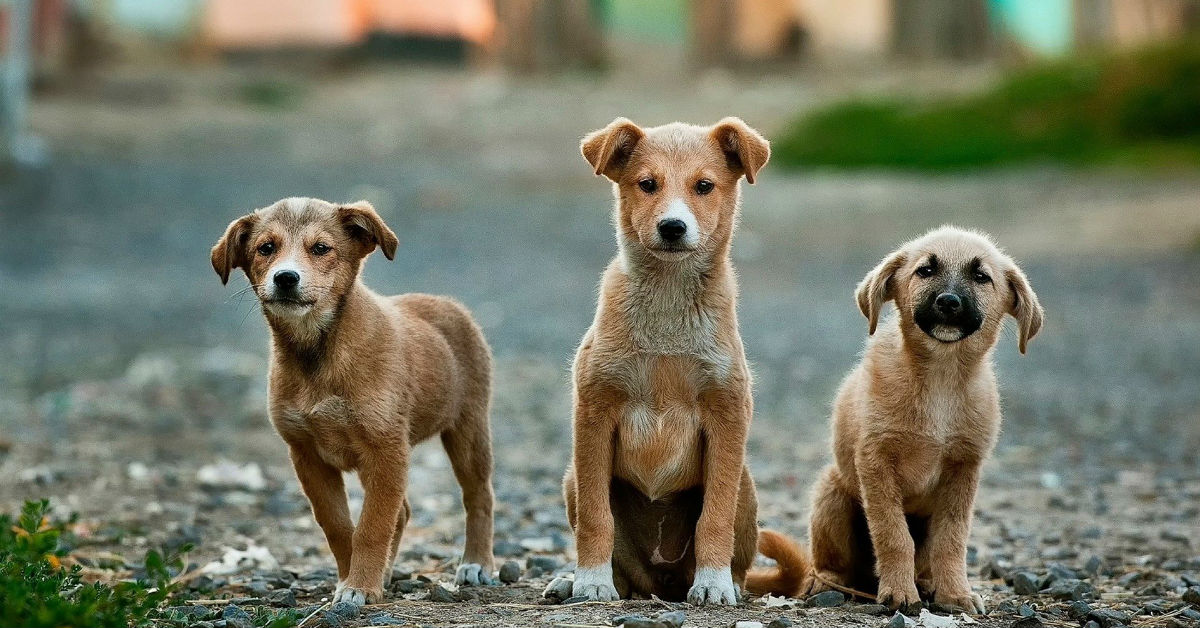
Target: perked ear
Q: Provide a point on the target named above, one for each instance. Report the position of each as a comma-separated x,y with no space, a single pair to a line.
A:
609,149
230,251
1025,307
745,150
877,288
363,223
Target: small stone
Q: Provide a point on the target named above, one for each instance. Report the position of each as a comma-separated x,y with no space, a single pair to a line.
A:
1025,583
672,619
510,572
639,623
440,594
546,563
780,622
1128,579
897,621
408,586
1028,622
349,610
827,599
1109,617
1025,610
508,549
1191,613
282,597
1091,624
1078,610
1070,590
1094,566
236,617
383,619
1192,596
621,619
577,599
747,624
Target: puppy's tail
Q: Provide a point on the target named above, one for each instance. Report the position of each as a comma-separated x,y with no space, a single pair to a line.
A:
792,574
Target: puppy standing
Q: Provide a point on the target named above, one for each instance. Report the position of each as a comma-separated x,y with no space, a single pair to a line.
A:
658,494
356,379
912,424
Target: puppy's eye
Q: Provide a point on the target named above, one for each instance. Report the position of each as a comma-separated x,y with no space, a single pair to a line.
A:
648,185
926,271
704,186
320,248
266,248
981,277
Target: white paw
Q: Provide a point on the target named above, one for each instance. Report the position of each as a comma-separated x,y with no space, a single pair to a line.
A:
357,597
713,586
595,583
472,575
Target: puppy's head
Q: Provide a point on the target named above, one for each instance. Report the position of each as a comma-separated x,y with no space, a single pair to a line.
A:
953,287
302,255
677,184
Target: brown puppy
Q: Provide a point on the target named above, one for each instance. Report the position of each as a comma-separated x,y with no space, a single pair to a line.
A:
658,493
356,379
912,425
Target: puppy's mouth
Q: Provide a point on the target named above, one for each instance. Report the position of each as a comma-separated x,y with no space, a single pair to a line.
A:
289,304
945,329
671,252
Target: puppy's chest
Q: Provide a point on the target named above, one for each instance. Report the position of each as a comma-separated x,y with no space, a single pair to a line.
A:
658,432
328,426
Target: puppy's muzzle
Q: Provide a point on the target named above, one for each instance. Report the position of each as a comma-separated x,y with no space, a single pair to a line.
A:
948,316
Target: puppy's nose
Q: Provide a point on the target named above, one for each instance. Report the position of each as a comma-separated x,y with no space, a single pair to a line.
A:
671,229
287,278
948,303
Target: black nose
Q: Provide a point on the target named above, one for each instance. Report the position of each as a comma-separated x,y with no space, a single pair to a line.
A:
287,278
948,303
671,229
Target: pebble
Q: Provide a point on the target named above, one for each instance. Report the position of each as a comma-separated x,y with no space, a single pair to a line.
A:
282,597
897,621
673,619
408,586
1070,590
545,563
384,619
1025,583
1026,610
827,599
1108,617
510,572
1091,624
440,594
348,610
1192,596
748,624
236,617
621,619
780,622
577,599
1078,610
1028,622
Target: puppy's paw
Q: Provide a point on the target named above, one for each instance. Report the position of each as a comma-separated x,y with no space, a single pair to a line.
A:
595,583
968,602
472,575
713,586
357,596
900,595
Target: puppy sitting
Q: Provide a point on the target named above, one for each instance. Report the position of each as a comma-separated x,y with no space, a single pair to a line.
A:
356,379
658,493
912,424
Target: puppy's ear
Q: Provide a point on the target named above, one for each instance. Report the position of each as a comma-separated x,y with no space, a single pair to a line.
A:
1024,307
745,150
609,149
363,224
878,287
231,251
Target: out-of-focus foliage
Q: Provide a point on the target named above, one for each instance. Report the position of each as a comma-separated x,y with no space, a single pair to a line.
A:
1139,108
38,589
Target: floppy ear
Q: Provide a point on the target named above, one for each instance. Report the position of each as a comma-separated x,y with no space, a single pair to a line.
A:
608,149
1025,307
877,288
230,251
363,223
745,150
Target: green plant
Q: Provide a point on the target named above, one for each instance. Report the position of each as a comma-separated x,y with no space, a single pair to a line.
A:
1138,108
37,589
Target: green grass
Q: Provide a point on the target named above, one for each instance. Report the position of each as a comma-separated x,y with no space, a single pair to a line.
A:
1139,109
37,589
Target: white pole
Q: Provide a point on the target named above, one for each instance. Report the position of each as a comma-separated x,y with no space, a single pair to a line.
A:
14,77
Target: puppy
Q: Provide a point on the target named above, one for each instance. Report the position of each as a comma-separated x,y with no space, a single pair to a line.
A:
658,493
912,424
356,379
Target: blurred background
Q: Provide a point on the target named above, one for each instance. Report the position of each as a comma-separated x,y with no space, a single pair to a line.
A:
133,131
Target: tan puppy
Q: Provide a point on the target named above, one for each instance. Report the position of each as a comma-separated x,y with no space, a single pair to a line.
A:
356,379
658,493
912,425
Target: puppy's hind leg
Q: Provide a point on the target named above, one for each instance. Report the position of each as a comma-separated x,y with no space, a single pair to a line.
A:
469,446
835,551
401,522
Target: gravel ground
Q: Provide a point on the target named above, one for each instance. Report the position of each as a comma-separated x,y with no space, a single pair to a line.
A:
135,394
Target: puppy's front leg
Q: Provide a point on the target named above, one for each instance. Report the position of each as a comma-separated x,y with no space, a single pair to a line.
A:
725,419
595,426
948,530
326,493
895,552
383,474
